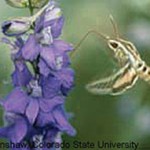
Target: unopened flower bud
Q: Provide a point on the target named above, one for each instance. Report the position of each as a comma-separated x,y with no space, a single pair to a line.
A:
16,27
17,3
25,3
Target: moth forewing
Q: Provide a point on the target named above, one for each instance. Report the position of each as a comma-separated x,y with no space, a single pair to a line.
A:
115,84
99,87
126,81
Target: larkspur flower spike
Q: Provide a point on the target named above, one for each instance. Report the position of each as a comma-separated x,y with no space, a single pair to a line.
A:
36,103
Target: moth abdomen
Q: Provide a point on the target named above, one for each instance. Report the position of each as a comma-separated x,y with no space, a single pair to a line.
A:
144,72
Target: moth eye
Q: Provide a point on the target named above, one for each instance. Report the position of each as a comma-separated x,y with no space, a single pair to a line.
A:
114,45
149,72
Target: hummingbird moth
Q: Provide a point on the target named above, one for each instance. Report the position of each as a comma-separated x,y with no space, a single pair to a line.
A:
131,65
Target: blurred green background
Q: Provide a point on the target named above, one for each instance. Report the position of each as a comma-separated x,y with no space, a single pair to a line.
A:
121,118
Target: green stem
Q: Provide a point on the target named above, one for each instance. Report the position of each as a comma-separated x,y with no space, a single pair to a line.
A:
36,68
30,7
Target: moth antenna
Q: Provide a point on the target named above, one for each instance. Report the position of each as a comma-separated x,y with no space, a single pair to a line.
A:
85,37
115,27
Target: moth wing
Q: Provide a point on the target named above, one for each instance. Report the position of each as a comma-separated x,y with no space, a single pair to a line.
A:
115,84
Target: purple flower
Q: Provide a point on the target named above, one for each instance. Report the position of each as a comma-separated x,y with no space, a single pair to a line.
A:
21,75
52,57
36,104
66,78
11,132
51,19
61,82
37,109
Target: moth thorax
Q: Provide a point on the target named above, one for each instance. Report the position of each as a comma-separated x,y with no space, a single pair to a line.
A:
119,53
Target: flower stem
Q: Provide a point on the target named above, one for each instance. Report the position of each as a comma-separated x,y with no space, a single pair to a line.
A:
30,7
36,68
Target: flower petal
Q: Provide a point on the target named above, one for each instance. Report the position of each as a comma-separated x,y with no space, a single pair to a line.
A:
56,27
21,76
52,13
46,37
16,101
62,46
51,18
48,105
31,49
32,110
44,119
50,86
48,56
44,69
13,131
66,60
66,77
62,122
